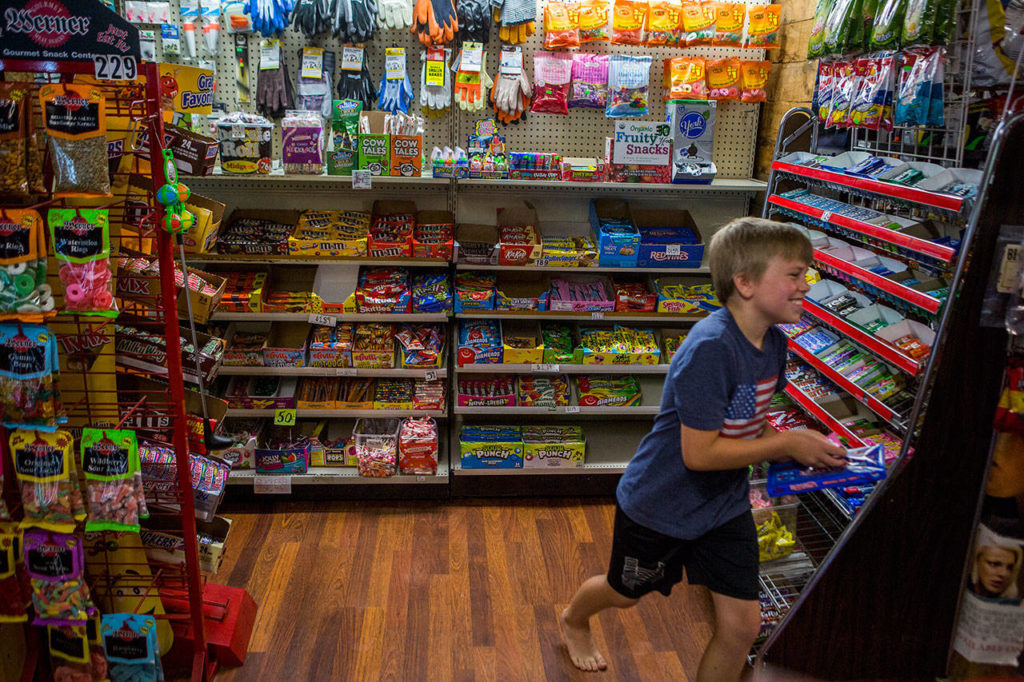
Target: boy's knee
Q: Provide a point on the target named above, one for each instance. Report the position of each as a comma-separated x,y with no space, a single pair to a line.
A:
621,601
740,626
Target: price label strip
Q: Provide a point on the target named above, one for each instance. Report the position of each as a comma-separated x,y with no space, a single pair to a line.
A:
323,320
272,485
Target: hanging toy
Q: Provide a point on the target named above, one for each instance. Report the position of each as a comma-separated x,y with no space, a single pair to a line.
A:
172,196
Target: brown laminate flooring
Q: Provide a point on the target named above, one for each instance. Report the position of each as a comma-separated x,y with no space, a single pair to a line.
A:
460,590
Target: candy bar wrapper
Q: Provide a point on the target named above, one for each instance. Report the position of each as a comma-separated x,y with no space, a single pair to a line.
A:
864,465
113,479
42,463
55,569
81,246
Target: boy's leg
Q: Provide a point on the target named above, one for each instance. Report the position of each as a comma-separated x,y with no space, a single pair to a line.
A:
737,624
593,596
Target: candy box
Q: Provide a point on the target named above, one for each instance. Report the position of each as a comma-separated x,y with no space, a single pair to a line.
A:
526,248
639,152
406,155
246,147
476,244
521,342
282,460
479,342
486,390
433,236
146,288
286,345
330,233
491,454
243,347
693,140
374,146
598,290
689,296
670,340
317,393
607,356
261,393
668,239
560,447
194,154
380,248
376,445
139,349
633,296
521,291
339,448
618,241
163,546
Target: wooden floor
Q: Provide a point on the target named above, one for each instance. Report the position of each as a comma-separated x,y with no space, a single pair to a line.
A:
462,590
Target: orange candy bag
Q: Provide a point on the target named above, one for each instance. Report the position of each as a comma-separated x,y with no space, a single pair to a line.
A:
684,78
698,22
593,21
763,26
729,20
754,80
628,22
723,78
560,25
663,18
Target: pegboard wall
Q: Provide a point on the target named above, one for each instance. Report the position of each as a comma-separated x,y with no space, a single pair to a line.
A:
581,133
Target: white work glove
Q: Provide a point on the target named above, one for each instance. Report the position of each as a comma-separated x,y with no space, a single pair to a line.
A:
511,96
394,13
436,98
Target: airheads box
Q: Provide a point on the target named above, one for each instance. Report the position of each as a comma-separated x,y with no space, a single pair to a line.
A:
375,146
693,140
492,455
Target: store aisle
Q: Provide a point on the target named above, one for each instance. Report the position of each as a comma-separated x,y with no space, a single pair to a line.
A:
467,590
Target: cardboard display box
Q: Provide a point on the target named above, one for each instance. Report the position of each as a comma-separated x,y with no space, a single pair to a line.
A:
614,250
286,345
146,288
519,254
375,146
662,239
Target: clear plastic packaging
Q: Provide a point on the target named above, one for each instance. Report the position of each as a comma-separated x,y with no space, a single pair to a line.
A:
75,120
628,85
552,73
302,143
589,89
81,245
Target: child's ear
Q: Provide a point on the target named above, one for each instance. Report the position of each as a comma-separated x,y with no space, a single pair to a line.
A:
744,284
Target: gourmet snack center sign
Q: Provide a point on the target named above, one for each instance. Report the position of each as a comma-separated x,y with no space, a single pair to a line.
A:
49,30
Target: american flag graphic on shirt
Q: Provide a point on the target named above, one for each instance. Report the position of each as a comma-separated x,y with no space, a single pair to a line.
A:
748,409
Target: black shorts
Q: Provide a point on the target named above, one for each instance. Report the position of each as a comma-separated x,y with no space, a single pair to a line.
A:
725,559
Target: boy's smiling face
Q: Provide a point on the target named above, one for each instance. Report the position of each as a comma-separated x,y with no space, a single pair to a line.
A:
778,295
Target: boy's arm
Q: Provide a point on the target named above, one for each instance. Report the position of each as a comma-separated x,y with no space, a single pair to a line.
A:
709,451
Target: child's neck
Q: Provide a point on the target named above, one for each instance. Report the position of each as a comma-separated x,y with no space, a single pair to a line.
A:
753,325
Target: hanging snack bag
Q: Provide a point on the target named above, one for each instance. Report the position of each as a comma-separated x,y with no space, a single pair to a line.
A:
937,105
844,85
552,73
14,138
76,124
29,396
69,652
113,480
816,44
55,569
628,83
589,89
838,26
24,292
888,26
754,80
873,99
698,23
593,21
729,20
916,86
560,25
45,475
663,17
823,92
133,651
81,244
945,19
628,22
723,78
763,23
685,78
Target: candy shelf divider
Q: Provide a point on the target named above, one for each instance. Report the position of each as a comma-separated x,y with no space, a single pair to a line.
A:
272,259
441,372
702,270
339,317
606,316
811,407
880,348
301,413
348,476
562,411
661,368
904,293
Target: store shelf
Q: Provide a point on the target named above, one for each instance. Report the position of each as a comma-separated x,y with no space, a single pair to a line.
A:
440,372
702,270
345,476
277,180
870,401
326,414
575,410
731,185
594,316
811,407
250,259
895,289
555,368
887,189
586,469
343,317
940,252
880,348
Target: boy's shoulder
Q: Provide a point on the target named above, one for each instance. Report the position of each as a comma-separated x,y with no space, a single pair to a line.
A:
711,334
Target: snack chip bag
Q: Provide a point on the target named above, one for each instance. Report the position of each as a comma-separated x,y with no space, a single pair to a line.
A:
698,22
729,20
838,26
844,85
685,78
24,292
113,479
763,26
873,98
593,21
628,22
561,22
823,91
55,564
888,26
81,244
74,117
816,43
754,79
663,17
723,78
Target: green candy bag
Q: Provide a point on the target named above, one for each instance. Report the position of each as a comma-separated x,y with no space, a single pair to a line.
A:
838,27
919,22
888,25
816,44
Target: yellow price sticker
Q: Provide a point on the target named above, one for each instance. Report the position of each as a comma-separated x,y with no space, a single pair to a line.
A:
435,73
284,417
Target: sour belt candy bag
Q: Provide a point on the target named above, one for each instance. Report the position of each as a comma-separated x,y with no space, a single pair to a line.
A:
24,292
81,244
628,84
75,121
763,26
698,23
55,569
28,390
823,92
49,492
113,480
843,87
628,22
13,138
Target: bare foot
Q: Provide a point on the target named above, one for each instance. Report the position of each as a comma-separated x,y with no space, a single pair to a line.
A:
582,651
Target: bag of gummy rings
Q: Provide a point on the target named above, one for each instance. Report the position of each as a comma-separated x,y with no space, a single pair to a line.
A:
75,122
12,596
13,152
628,83
133,651
724,78
663,17
560,20
29,396
431,292
55,563
113,479
24,292
684,78
593,21
628,22
763,26
81,245
754,80
874,93
49,487
729,20
698,22
589,89
552,72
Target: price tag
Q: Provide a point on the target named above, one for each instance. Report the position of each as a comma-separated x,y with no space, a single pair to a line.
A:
323,320
472,57
284,417
599,315
394,63
543,368
361,179
572,409
352,58
672,249
430,375
237,131
435,67
114,67
511,62
270,54
1009,269
826,216
272,485
312,62
542,262
346,372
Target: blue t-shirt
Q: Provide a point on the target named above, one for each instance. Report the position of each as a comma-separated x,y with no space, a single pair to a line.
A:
718,380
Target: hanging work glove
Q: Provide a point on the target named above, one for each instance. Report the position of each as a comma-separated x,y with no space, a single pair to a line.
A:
511,94
471,86
395,94
394,13
517,19
270,17
435,99
312,17
357,85
274,92
362,21
435,21
474,21
314,94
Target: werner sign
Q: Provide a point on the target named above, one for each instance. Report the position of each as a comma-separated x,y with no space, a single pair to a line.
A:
64,31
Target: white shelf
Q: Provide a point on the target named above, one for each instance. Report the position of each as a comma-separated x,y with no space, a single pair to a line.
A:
345,476
593,317
340,317
273,259
353,414
563,411
220,178
442,372
702,270
599,468
737,185
562,369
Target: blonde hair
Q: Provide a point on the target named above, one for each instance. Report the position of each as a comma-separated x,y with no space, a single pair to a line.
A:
745,246
1018,554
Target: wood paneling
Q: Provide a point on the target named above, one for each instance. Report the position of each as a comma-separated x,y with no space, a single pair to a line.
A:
456,591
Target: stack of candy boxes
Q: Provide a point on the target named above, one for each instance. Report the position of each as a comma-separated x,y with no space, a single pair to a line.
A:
514,447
